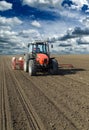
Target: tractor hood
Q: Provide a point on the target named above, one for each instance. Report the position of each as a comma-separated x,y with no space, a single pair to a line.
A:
42,59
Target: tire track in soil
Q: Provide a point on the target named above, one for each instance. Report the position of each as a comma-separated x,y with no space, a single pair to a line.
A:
80,87
67,124
75,114
49,111
5,114
77,103
32,118
75,117
0,91
68,105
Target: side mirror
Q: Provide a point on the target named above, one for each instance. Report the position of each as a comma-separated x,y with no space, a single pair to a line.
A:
28,45
51,45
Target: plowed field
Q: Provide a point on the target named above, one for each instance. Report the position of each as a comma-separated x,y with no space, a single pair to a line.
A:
45,102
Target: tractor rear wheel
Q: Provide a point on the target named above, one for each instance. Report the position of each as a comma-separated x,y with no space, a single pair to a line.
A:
54,66
32,68
25,66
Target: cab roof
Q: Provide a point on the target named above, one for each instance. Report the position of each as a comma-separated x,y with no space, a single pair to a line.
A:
37,42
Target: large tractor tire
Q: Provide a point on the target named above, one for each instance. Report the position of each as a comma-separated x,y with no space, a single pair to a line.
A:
25,67
26,59
32,68
54,67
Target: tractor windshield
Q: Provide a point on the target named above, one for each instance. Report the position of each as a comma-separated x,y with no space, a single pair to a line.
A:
39,48
42,48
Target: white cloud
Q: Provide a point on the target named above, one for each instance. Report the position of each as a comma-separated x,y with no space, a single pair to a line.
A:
36,2
43,29
85,21
43,3
75,48
5,6
5,28
9,21
79,4
7,33
36,23
28,31
10,41
70,14
85,39
31,34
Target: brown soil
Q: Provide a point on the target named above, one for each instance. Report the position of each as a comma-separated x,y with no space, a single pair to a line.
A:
45,102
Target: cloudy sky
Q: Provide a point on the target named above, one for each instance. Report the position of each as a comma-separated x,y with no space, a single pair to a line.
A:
64,23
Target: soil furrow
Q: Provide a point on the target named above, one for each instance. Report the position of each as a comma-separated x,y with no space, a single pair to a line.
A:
75,101
51,102
68,107
36,88
33,119
6,122
39,100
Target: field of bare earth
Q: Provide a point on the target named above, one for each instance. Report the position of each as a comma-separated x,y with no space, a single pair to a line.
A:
45,102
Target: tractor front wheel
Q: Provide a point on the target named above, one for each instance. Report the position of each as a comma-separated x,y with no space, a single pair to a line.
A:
32,68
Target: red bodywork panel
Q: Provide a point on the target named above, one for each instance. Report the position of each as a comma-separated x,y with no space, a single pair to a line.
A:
42,59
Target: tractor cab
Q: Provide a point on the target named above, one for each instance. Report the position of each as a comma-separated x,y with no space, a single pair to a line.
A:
38,47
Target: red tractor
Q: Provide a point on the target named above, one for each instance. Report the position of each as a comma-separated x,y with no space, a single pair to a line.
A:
38,59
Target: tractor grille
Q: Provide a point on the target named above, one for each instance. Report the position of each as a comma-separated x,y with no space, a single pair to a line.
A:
45,61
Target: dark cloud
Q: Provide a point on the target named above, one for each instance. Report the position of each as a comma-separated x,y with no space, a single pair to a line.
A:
66,37
3,40
1,46
67,3
79,32
8,41
64,45
82,50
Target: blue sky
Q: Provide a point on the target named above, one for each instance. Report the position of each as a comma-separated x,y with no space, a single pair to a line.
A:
64,23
